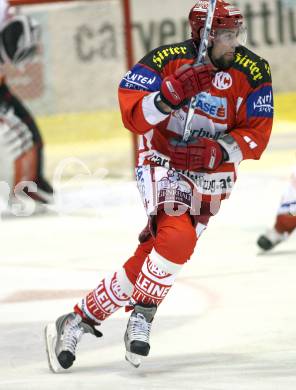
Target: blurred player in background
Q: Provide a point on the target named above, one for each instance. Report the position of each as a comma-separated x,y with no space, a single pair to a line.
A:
285,222
21,146
232,122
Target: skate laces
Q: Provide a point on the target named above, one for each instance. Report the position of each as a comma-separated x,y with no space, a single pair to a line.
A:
72,334
139,328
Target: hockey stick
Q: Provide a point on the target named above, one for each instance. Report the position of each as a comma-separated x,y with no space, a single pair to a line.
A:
202,51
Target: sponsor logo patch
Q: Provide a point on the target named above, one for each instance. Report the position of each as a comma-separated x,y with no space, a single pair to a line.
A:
260,103
115,287
141,78
211,184
158,159
155,271
172,188
214,106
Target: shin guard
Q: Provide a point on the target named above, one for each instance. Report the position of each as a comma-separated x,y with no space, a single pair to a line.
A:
154,280
112,293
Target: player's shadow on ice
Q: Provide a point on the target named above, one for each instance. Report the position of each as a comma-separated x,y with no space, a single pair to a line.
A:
194,366
275,252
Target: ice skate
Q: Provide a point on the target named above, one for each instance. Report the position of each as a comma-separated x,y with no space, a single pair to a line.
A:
44,191
270,239
137,334
44,194
61,339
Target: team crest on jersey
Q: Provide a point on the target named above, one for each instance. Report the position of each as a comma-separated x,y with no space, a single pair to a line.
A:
222,80
201,6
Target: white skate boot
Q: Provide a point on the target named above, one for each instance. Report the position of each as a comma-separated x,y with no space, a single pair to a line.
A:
270,239
61,340
137,334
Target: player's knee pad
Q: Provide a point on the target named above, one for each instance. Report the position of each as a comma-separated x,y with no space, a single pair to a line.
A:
134,264
176,237
17,153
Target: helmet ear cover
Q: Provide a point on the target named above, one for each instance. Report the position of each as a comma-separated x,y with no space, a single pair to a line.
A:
226,16
19,38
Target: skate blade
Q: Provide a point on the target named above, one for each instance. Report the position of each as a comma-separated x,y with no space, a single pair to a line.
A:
134,359
50,342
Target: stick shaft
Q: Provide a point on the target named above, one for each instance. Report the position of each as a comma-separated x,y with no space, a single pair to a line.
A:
202,51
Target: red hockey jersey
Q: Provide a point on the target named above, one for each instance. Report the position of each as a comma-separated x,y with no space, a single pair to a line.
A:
239,103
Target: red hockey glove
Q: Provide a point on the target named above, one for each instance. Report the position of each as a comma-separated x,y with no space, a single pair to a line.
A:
201,153
184,83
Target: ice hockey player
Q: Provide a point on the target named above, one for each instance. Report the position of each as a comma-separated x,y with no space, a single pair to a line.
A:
181,183
21,145
285,221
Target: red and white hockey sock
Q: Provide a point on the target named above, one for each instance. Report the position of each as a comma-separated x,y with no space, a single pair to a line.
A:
154,280
112,293
285,223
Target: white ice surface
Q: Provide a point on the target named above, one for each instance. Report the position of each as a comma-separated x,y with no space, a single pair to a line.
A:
227,324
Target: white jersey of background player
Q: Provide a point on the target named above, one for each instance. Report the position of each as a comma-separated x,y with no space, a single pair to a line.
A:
3,10
21,147
285,222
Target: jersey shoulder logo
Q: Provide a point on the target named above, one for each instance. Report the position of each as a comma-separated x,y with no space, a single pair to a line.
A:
158,58
141,78
260,103
254,67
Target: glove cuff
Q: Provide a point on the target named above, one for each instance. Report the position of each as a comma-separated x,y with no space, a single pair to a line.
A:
225,155
157,102
231,148
168,103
